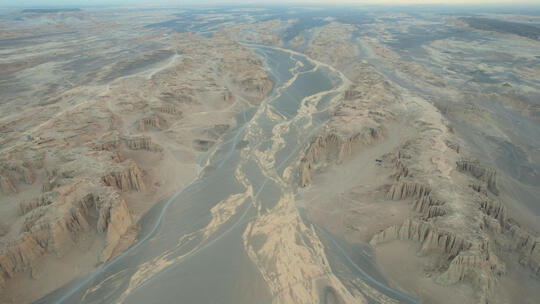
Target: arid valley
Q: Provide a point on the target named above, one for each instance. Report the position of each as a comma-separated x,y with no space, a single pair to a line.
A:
270,155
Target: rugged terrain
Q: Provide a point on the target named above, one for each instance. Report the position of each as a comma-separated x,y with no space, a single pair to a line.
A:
269,155
83,161
458,223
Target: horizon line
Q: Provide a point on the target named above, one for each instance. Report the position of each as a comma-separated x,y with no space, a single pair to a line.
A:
165,5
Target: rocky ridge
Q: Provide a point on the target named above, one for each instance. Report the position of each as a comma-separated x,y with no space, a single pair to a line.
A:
457,215
359,120
95,168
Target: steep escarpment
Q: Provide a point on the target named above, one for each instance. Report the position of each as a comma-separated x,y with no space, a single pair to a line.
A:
467,230
54,228
82,175
368,106
458,220
154,122
429,236
73,199
445,224
44,199
140,143
508,235
334,147
487,175
125,179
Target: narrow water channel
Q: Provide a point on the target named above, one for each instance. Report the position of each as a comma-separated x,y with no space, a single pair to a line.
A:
187,255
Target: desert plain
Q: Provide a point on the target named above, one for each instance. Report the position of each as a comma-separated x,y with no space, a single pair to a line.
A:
270,155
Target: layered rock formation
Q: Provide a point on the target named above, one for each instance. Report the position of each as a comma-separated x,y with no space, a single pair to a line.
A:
482,173
88,165
451,226
140,143
332,147
458,216
55,227
154,122
359,120
125,179
44,199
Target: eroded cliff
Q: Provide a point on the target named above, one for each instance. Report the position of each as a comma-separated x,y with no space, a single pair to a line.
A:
84,174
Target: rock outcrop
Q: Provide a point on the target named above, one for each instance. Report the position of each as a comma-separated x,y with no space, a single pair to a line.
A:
154,122
426,234
168,109
477,266
44,199
405,190
56,227
429,206
350,129
527,245
19,255
488,175
333,148
458,217
367,106
124,179
449,226
505,231
466,259
140,143
508,235
80,197
87,165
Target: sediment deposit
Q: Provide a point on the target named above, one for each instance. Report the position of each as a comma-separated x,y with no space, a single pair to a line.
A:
103,153
269,155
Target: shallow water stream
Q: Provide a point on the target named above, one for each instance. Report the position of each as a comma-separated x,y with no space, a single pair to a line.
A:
191,249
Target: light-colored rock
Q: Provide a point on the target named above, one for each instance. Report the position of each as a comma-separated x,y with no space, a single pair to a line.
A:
482,173
405,190
140,143
55,229
44,199
124,179
88,165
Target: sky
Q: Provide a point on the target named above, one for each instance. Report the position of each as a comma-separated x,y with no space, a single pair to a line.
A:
82,3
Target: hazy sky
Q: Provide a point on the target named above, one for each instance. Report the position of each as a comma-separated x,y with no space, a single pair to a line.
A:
23,3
